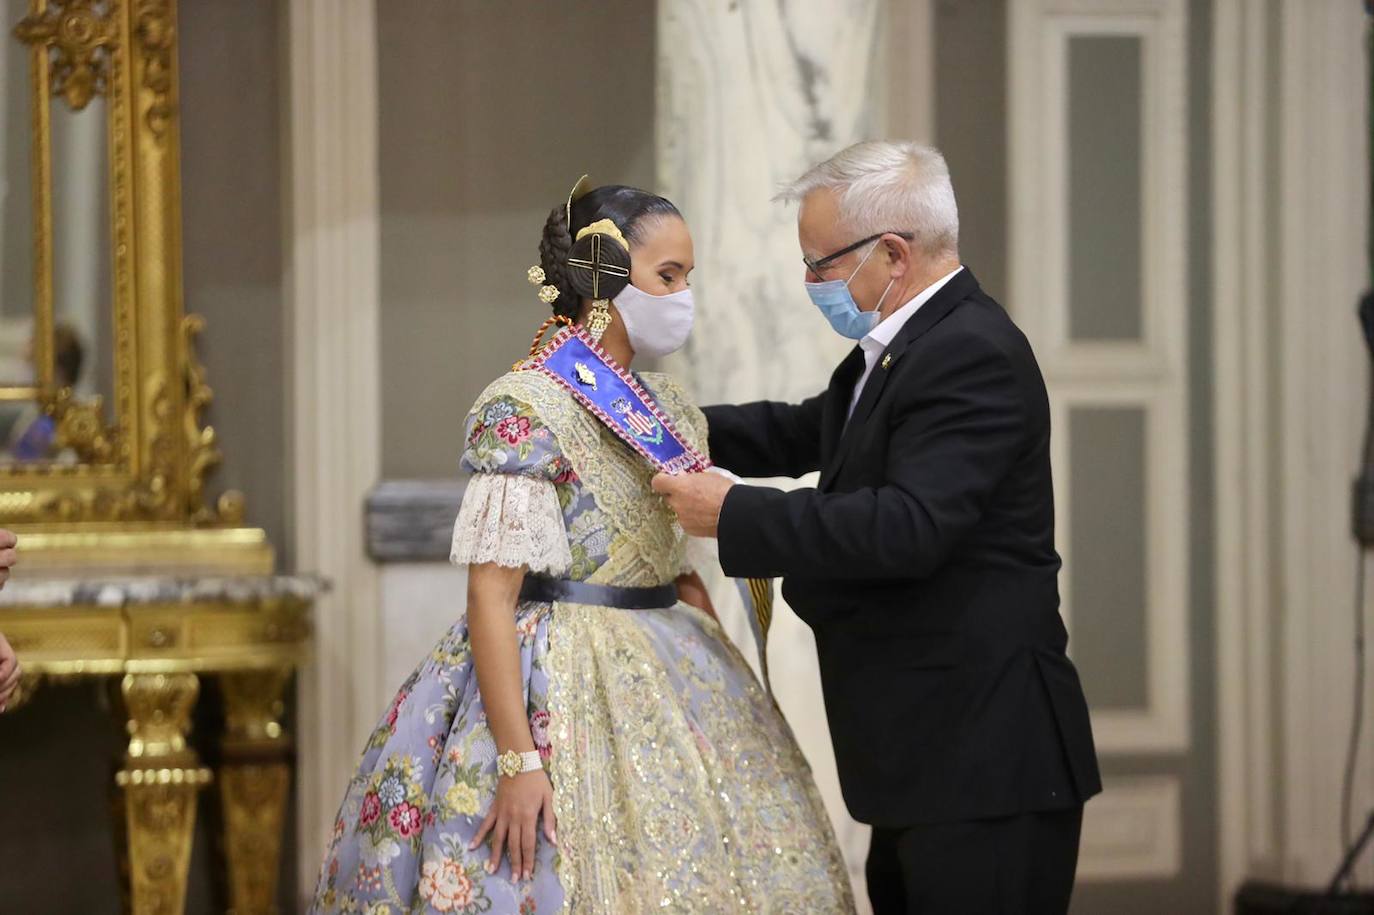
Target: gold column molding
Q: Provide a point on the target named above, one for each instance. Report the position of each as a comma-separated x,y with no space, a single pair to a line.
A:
159,709
254,706
254,799
160,779
255,781
155,28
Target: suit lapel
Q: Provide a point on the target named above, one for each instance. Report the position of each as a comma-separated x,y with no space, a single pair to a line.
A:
842,382
960,287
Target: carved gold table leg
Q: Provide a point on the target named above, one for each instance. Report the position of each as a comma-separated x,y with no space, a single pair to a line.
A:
160,778
254,781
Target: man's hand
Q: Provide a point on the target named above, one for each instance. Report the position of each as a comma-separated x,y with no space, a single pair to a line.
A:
9,664
696,499
8,554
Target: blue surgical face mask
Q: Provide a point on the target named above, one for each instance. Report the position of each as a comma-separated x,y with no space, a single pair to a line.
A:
835,301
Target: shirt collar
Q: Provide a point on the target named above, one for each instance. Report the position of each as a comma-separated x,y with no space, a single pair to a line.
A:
880,337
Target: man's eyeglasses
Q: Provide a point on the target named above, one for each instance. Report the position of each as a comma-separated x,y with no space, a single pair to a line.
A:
817,266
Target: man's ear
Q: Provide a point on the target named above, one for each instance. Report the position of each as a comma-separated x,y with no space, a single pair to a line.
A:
898,255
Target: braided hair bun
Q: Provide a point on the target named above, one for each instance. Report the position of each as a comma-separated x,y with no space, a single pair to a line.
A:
605,250
629,208
554,248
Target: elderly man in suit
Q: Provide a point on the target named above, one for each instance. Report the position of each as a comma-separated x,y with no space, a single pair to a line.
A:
924,561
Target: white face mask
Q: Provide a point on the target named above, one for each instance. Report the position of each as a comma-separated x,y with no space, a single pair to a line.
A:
656,324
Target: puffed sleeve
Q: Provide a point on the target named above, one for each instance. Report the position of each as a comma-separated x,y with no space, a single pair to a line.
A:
511,513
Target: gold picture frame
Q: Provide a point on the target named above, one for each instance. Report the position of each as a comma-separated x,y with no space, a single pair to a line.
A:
141,464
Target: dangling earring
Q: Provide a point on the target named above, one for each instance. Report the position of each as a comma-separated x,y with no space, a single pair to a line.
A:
599,319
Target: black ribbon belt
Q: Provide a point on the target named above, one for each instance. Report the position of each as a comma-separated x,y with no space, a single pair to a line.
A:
547,590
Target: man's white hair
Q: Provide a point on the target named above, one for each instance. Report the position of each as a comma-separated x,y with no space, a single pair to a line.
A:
889,186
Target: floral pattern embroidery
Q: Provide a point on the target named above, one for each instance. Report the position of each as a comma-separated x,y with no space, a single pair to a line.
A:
514,429
636,688
401,837
562,471
507,436
405,819
372,810
461,799
446,886
539,730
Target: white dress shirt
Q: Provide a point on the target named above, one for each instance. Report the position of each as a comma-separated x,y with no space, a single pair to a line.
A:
881,337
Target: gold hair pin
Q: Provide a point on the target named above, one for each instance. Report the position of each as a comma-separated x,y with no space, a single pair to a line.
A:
604,227
581,189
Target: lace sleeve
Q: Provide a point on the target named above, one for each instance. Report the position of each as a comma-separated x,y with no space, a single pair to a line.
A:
513,521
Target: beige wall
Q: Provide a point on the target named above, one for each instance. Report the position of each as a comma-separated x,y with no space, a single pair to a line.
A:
971,130
232,88
232,225
487,119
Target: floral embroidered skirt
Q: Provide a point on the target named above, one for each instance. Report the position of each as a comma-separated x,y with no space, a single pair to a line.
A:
677,785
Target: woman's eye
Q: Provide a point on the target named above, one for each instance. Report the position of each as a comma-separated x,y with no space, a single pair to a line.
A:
667,278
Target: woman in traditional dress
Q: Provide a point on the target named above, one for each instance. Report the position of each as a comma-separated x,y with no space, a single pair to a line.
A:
586,738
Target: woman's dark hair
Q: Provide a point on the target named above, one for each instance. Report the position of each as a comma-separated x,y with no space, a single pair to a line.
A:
628,207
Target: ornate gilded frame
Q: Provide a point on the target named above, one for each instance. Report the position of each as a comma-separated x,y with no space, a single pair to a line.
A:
143,464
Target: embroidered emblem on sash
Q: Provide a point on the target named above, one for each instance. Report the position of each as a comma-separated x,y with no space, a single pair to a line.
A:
640,423
616,397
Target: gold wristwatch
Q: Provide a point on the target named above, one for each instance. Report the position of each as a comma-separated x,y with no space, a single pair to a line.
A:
511,763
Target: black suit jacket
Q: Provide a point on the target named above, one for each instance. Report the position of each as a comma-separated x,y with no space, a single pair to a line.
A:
925,565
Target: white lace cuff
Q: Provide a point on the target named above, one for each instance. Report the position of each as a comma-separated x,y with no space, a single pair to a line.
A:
513,521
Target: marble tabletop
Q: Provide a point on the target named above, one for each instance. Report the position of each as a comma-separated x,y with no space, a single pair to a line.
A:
110,591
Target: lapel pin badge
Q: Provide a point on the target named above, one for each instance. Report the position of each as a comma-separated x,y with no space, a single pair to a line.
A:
887,360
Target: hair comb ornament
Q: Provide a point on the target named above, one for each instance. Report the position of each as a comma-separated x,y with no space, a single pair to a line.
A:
581,189
599,319
598,263
604,227
548,294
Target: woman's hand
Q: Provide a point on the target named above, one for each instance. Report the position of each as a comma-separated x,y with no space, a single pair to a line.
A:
492,595
513,821
9,554
692,590
9,672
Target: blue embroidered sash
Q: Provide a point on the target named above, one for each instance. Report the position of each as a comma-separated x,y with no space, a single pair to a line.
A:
614,396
